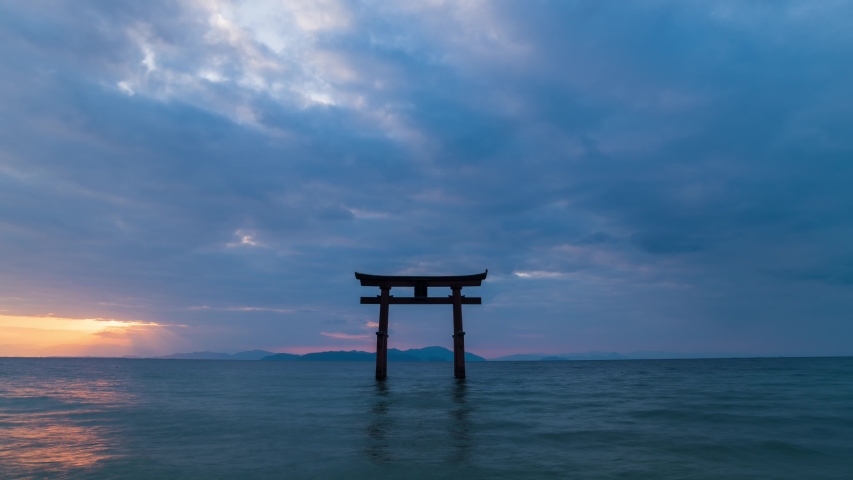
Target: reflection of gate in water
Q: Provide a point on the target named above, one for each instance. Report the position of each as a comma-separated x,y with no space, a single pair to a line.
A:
389,414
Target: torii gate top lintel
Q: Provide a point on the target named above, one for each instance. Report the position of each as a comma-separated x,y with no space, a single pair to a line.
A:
368,280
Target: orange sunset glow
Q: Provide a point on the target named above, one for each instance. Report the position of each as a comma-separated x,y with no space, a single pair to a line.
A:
34,336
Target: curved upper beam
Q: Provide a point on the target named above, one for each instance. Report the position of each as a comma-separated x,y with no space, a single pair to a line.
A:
368,280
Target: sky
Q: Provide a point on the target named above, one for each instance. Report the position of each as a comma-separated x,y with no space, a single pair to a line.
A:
672,176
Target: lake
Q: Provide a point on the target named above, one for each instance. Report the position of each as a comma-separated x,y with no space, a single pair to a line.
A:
720,418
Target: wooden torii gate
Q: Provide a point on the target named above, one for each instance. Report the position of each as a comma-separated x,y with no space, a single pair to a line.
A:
421,284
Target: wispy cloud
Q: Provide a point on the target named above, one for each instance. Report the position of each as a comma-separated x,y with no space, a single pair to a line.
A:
251,309
540,274
343,336
244,239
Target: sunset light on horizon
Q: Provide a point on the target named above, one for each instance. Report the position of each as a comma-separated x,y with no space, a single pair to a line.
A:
39,336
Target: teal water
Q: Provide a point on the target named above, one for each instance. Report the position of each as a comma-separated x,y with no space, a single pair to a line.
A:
114,418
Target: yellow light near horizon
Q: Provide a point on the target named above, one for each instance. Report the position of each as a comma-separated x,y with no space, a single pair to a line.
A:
22,335
88,325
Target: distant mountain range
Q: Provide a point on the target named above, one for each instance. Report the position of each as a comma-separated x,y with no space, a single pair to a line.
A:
249,355
428,354
434,354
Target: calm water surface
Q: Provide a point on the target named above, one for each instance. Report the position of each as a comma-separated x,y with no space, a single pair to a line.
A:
112,418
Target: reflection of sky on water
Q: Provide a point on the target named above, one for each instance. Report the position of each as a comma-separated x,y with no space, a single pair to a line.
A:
91,392
40,443
72,418
47,425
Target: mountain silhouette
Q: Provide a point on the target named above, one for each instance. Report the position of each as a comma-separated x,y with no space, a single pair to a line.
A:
427,354
249,355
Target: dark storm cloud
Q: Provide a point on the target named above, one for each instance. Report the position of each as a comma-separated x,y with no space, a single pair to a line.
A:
660,176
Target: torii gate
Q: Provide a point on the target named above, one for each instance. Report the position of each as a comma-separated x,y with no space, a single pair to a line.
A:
421,284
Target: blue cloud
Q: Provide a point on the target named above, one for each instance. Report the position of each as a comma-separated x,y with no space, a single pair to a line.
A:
636,177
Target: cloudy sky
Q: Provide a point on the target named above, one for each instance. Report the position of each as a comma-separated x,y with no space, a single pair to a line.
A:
636,176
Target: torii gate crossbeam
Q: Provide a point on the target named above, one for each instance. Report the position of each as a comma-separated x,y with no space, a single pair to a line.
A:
421,285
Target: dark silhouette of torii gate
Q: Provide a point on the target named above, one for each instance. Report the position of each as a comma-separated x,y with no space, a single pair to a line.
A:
421,284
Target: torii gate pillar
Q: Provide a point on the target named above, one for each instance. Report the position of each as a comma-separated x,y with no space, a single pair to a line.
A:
458,334
421,285
382,335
